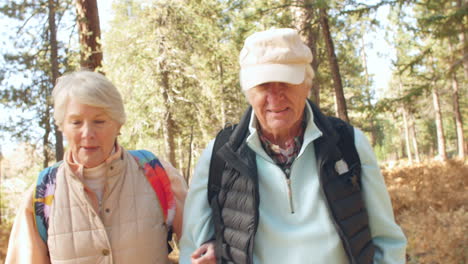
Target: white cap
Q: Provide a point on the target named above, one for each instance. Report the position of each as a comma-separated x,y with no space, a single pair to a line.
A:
274,55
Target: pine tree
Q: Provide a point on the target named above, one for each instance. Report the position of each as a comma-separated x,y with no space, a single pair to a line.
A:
31,70
90,34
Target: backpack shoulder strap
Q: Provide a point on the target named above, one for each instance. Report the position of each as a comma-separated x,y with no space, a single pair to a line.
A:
159,181
43,197
216,163
348,148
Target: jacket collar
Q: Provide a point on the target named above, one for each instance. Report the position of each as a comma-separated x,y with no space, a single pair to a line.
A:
114,163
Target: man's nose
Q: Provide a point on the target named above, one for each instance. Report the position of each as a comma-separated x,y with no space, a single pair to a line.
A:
276,91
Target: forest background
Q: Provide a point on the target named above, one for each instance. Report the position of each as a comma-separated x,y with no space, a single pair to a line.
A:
175,63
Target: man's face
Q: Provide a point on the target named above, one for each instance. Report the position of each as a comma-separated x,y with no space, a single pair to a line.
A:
278,107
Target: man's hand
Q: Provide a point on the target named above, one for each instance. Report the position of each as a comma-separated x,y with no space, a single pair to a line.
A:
205,254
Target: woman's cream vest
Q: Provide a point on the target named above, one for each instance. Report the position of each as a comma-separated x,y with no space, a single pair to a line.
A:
129,229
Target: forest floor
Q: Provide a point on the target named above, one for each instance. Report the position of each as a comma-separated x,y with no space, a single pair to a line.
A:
4,233
430,201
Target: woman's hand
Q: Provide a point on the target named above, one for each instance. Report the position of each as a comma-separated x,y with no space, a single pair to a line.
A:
205,254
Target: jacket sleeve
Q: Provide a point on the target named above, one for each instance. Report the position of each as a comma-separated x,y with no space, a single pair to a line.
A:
387,236
25,245
198,226
179,188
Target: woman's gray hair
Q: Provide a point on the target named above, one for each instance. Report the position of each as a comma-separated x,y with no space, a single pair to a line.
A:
89,88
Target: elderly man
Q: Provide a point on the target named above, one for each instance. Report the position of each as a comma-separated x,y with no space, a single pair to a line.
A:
291,187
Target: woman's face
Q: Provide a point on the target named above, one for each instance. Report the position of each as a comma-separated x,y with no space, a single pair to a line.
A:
278,107
90,132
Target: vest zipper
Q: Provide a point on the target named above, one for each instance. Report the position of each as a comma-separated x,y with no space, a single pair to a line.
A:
291,205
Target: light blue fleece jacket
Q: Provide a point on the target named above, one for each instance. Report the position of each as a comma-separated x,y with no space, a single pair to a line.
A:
307,235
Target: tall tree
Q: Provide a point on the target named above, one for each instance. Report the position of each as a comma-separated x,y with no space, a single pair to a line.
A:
168,121
90,34
180,72
414,138
404,112
341,108
54,75
32,67
368,95
422,55
306,20
463,4
442,153
458,118
456,108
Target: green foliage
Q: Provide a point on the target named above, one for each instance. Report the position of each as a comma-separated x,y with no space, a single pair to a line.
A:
424,36
176,65
26,69
180,65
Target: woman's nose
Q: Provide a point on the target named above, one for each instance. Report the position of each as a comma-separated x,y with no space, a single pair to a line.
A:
87,130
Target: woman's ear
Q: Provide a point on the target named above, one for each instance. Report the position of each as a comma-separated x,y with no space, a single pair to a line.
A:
118,130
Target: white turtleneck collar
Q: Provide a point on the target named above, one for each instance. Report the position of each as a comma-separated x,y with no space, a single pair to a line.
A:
95,179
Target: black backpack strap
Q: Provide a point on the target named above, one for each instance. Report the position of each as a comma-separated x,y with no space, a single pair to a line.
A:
216,163
348,149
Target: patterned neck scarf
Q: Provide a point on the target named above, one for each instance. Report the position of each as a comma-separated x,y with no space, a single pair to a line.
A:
284,157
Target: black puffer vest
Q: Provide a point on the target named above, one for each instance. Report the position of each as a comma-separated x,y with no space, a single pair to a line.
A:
235,205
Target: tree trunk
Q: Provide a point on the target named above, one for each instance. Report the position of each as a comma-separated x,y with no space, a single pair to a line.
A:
45,137
402,147
458,118
370,116
46,118
342,111
305,18
407,143
407,135
465,53
169,124
456,108
438,119
462,39
55,74
414,139
90,34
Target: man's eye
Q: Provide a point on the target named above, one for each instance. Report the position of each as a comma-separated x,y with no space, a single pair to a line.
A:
99,121
76,122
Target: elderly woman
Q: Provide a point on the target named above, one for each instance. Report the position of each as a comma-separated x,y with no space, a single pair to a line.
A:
287,184
102,204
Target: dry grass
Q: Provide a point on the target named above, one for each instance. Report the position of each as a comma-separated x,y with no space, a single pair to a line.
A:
4,234
430,201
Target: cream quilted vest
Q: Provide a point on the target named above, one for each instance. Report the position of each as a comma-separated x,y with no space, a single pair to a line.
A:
129,229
